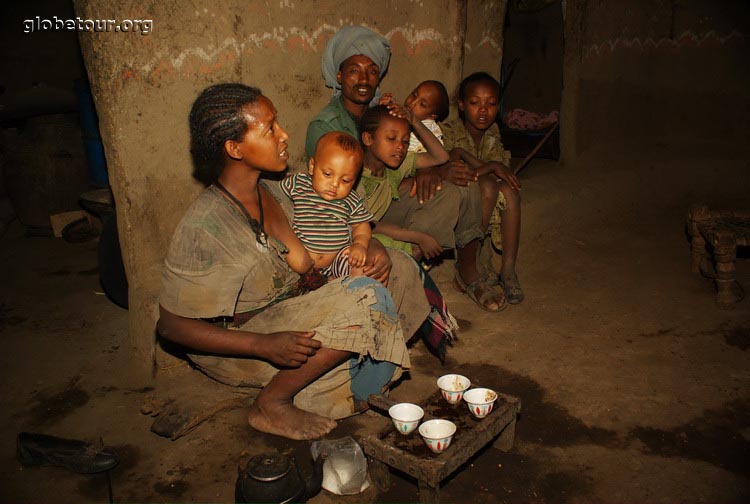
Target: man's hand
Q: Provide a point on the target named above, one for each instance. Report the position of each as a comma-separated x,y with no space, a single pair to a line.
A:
357,255
426,183
378,264
287,348
459,173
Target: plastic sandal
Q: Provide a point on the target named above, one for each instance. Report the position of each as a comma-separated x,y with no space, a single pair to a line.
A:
513,291
487,295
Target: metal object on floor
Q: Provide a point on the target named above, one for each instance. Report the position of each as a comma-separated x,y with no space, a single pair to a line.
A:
714,238
408,454
272,477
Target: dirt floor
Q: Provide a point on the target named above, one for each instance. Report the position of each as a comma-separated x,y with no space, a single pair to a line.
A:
634,384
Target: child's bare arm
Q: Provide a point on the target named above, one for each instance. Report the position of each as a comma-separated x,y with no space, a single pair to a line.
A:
428,245
436,154
467,157
500,170
361,234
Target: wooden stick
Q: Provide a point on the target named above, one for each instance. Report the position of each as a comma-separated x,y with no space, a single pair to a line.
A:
533,152
195,421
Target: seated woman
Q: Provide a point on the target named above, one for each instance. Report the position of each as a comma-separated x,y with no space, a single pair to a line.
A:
231,298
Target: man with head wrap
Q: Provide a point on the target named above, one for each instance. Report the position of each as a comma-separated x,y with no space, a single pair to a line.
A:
354,61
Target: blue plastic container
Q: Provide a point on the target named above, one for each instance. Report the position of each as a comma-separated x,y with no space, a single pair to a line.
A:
92,140
96,161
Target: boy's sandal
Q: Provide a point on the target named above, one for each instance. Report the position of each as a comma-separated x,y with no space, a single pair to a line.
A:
489,293
512,287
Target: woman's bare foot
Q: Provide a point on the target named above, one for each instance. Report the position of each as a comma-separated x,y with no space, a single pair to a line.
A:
285,419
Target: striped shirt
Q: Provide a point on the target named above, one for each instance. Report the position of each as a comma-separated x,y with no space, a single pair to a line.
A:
323,226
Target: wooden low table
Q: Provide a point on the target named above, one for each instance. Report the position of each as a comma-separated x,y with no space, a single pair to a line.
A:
714,238
410,455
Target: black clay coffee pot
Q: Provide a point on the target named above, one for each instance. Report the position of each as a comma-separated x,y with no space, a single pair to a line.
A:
274,478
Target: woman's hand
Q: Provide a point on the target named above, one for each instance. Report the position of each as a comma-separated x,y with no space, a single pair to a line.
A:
286,348
378,265
429,246
504,173
459,173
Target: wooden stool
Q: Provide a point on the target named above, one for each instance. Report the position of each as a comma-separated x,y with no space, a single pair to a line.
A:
410,455
716,234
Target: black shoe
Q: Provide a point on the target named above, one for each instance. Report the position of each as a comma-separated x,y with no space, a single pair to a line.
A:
78,456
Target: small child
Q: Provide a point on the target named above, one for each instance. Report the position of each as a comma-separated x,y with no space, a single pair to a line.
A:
474,139
429,103
331,221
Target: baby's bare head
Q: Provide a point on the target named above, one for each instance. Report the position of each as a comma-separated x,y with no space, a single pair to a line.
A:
335,165
334,141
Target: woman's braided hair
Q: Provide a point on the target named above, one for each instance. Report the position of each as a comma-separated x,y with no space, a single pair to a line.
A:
215,117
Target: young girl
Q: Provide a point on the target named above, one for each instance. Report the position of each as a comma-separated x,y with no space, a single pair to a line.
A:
421,228
474,139
387,182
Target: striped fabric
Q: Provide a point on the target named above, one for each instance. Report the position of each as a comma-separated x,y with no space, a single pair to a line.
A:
323,226
340,266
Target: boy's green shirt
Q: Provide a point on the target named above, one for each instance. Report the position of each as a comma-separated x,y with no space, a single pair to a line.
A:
489,149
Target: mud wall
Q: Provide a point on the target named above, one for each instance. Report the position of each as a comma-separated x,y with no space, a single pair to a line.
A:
484,37
652,70
144,85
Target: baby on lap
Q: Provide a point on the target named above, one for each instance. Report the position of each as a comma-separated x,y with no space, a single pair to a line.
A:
330,220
